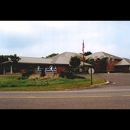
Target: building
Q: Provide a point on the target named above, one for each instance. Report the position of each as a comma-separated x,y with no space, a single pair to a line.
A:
123,65
114,63
60,61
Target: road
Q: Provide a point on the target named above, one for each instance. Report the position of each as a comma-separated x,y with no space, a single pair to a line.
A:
115,95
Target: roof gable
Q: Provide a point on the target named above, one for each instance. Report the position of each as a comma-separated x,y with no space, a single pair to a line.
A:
63,58
101,55
124,61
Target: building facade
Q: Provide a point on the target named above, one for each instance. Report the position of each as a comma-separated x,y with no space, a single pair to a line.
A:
60,62
112,63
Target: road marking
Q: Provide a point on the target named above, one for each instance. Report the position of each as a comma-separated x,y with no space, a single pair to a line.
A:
126,95
61,97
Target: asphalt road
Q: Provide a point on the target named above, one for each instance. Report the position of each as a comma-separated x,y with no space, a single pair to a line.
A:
115,95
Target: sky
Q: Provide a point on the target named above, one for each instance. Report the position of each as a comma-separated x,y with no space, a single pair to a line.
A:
42,38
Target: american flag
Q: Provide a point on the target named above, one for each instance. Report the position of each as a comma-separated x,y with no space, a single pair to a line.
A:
83,47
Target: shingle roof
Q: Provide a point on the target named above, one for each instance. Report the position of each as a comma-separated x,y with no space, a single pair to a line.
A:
35,60
124,61
63,58
102,55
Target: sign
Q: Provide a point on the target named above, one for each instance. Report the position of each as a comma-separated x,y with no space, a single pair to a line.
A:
50,70
89,70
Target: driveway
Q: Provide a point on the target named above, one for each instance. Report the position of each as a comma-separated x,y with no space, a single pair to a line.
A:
117,79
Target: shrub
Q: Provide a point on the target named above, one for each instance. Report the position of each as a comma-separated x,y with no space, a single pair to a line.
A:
27,73
67,74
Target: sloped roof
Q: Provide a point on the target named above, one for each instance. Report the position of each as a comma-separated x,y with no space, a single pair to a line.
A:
63,58
87,64
35,60
6,62
124,61
102,55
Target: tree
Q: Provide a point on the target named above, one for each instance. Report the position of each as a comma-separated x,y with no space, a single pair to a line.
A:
51,55
14,58
103,64
3,58
90,61
87,53
75,61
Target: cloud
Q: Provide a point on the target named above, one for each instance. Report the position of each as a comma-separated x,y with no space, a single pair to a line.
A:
41,38
96,47
15,26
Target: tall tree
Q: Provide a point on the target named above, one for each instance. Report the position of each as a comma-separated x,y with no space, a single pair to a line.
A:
74,61
103,64
15,60
3,58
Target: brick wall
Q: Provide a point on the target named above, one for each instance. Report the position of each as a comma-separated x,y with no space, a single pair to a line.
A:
62,67
110,65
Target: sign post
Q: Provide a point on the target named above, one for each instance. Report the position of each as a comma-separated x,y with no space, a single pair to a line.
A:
91,71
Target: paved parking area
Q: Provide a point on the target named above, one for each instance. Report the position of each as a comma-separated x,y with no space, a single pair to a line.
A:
119,79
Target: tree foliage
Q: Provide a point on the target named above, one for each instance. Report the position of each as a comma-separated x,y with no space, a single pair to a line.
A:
51,55
3,58
75,61
90,61
13,58
103,64
87,53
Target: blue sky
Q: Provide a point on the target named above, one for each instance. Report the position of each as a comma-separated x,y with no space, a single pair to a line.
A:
41,38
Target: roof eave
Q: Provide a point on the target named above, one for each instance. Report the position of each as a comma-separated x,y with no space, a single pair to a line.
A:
6,62
123,65
31,63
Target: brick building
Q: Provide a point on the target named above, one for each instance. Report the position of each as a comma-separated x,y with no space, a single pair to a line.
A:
60,61
114,63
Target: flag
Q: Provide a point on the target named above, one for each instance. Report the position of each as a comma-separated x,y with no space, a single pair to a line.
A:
83,47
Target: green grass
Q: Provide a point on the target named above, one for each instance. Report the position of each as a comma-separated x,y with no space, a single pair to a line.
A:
12,83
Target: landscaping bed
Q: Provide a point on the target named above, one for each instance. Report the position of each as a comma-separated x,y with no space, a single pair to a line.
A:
16,83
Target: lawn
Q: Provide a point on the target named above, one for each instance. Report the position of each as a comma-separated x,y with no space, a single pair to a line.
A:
15,83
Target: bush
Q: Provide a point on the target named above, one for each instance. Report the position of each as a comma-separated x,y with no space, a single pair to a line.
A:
27,73
67,74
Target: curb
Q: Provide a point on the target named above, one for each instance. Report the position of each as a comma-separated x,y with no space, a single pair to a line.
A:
107,82
94,85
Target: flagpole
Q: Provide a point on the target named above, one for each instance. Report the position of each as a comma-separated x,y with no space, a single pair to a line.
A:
83,54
